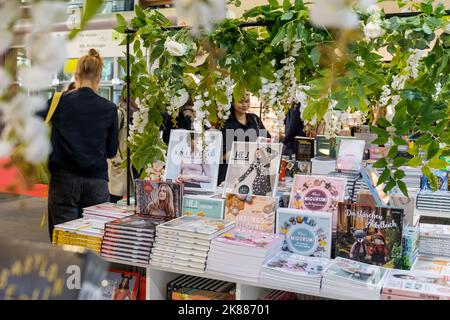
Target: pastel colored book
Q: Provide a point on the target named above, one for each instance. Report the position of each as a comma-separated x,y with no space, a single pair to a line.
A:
357,272
253,168
109,210
194,159
351,152
415,284
203,227
318,193
158,199
251,212
370,177
249,238
298,265
370,234
306,232
433,264
203,206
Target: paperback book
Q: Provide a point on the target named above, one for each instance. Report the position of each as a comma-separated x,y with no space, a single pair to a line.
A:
121,285
318,193
306,232
202,206
159,199
193,159
434,264
253,168
370,234
351,152
251,212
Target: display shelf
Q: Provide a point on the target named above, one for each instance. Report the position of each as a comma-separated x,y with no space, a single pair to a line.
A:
133,264
431,213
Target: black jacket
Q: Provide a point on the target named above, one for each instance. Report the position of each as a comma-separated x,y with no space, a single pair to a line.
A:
84,133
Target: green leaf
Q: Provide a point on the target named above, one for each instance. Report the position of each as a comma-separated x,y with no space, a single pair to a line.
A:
402,186
400,141
90,10
274,4
383,123
298,5
384,176
379,131
286,5
380,163
399,174
278,37
400,161
287,16
238,91
437,163
427,29
389,186
315,56
121,20
139,12
415,162
433,149
393,152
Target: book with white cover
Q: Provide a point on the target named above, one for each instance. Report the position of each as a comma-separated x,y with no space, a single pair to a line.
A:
424,285
298,265
351,152
109,209
433,264
202,227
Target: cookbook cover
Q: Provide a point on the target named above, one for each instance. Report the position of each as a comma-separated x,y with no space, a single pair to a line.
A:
203,206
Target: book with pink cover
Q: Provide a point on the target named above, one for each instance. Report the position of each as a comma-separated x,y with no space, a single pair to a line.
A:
318,193
251,212
385,296
350,155
249,238
423,285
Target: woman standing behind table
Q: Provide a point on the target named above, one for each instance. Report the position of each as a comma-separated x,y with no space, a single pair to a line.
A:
240,126
84,135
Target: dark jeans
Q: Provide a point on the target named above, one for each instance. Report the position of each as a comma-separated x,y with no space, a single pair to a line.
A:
68,194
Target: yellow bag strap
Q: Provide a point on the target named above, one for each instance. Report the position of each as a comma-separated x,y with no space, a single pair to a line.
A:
53,106
55,101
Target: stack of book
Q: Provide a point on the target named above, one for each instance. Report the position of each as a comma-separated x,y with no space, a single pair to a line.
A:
351,279
196,288
354,183
100,214
80,232
433,264
414,285
433,201
322,165
129,239
240,253
183,243
410,246
294,272
412,177
434,239
286,295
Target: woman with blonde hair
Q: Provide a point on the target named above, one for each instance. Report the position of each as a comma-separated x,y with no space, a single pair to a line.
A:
84,134
163,205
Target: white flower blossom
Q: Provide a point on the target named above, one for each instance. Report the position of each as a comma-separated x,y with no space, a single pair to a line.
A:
438,91
35,78
46,51
46,13
373,30
140,121
155,171
180,98
333,14
360,61
37,149
5,148
174,48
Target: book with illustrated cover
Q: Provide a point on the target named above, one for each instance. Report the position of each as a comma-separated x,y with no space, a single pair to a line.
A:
350,156
357,272
325,147
294,167
121,285
422,285
202,227
297,264
251,212
318,193
304,148
306,232
194,161
253,168
248,238
442,181
434,264
370,234
135,224
370,177
158,199
203,206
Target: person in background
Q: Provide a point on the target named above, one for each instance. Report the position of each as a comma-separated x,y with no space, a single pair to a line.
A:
117,173
84,134
240,126
293,127
184,120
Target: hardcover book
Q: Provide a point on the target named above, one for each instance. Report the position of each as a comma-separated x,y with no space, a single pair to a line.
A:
416,284
351,152
304,148
134,224
158,199
251,212
370,234
434,264
297,264
203,206
306,233
248,238
325,147
318,193
194,161
253,168
357,272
